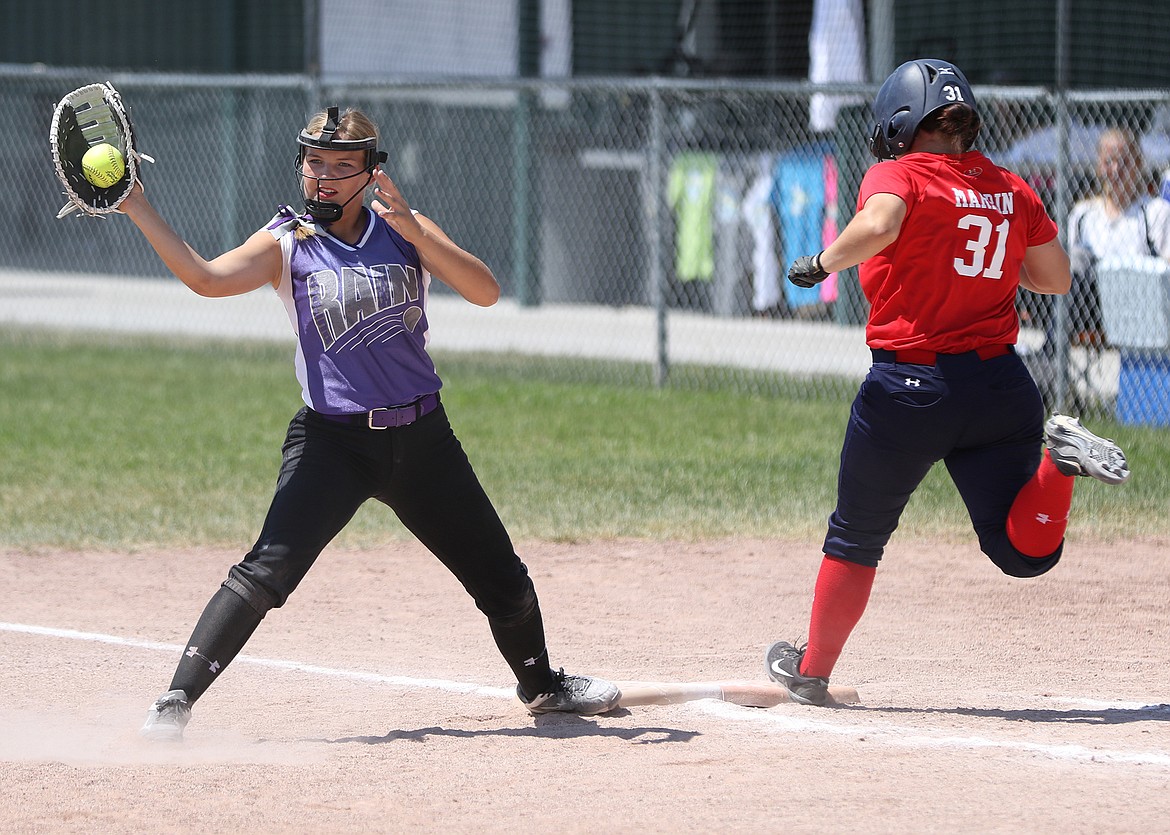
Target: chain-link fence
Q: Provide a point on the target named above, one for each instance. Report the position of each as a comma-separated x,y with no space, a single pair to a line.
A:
641,228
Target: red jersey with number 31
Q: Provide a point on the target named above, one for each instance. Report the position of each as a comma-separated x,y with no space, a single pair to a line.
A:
948,283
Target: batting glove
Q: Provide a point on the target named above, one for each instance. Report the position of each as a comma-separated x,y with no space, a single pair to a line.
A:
806,271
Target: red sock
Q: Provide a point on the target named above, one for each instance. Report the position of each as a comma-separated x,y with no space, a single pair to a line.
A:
1039,515
841,594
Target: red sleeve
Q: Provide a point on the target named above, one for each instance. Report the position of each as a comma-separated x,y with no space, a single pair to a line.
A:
885,178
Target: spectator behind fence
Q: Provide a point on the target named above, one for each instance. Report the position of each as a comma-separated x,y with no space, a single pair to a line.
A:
1123,218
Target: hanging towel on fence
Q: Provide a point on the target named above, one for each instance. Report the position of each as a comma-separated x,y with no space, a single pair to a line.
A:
692,197
798,195
761,222
829,227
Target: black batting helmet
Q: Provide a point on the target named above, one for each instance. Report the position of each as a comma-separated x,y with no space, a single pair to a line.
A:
911,93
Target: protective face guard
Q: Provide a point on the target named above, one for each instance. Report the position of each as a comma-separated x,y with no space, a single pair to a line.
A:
877,144
321,210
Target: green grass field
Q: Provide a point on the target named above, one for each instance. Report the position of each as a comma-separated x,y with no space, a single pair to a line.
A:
122,443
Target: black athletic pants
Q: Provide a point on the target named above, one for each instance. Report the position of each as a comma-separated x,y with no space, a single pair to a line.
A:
421,472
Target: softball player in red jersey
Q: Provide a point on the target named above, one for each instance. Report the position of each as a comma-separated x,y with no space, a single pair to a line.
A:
944,238
355,282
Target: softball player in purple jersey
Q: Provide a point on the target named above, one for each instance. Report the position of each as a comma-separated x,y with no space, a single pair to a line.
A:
354,281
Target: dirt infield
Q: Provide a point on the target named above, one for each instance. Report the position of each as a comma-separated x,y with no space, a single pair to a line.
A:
376,702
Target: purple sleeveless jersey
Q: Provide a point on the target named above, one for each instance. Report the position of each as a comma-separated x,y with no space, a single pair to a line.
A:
359,313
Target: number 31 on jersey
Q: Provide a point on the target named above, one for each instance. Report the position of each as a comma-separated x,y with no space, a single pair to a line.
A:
980,245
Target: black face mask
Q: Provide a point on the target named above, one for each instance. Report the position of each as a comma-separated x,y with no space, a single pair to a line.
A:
324,211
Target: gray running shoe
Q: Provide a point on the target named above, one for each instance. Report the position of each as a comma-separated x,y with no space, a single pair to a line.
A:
573,694
167,717
1077,451
782,664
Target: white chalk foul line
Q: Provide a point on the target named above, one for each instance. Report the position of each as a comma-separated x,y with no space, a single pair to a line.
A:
914,738
353,675
888,734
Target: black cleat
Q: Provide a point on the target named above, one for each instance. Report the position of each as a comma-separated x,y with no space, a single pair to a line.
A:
782,664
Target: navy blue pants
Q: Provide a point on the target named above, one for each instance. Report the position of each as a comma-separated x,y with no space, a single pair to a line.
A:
983,418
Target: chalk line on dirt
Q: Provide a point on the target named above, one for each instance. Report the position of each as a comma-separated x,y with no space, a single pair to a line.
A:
353,675
907,737
778,721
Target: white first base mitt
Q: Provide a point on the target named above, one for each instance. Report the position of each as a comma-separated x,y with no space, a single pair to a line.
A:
90,116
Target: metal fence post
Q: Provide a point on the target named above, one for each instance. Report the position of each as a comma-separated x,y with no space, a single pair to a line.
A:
1061,205
229,140
652,195
527,288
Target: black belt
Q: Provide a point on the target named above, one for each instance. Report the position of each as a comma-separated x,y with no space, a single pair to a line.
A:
915,356
391,417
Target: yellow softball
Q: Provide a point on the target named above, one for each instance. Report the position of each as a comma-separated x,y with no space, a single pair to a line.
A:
103,165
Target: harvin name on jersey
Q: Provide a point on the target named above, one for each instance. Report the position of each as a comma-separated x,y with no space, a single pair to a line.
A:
1004,202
